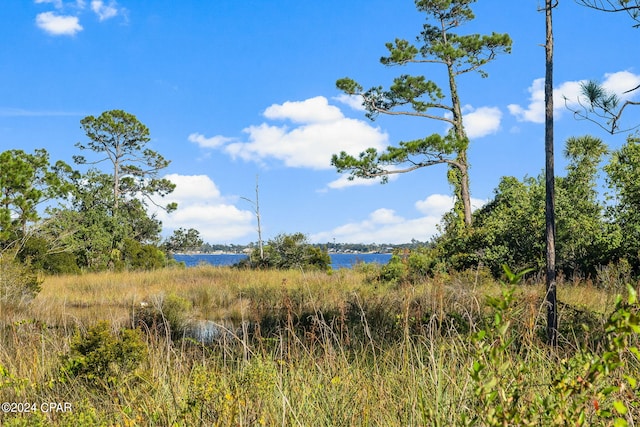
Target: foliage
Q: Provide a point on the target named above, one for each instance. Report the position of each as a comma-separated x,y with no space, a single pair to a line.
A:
26,181
138,256
36,251
631,7
603,107
97,237
120,138
416,96
509,229
411,266
289,251
623,176
183,241
19,284
104,358
166,316
584,389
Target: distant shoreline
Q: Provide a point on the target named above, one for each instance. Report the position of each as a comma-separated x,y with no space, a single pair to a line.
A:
347,252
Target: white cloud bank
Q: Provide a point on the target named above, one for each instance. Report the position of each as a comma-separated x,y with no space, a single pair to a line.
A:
386,226
617,83
316,131
202,206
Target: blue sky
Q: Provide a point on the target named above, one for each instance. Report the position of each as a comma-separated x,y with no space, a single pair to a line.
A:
232,90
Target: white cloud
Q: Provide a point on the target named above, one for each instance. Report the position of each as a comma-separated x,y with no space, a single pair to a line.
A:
435,205
621,82
204,142
481,121
56,3
312,110
535,111
343,182
320,130
382,226
202,206
568,95
439,204
58,25
353,101
104,11
386,226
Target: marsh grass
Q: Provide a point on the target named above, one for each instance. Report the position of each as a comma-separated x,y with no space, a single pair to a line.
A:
298,348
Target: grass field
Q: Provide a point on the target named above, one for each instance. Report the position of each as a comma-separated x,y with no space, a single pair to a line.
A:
315,349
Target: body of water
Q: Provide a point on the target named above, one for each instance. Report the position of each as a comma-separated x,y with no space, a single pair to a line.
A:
337,260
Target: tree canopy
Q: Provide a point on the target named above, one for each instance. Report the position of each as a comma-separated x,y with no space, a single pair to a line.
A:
420,97
120,139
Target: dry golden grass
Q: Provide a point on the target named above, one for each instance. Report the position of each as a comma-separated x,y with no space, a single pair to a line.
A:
402,356
220,293
216,292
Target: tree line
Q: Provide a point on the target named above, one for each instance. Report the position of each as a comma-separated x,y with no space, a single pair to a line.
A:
95,214
96,211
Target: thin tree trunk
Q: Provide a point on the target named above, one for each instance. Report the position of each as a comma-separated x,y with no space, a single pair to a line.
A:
552,310
462,187
260,246
465,192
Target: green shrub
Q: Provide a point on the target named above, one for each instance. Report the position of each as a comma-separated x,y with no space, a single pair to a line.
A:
103,357
19,284
289,251
166,316
138,256
411,265
36,251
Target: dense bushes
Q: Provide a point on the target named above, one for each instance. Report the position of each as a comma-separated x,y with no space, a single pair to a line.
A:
590,234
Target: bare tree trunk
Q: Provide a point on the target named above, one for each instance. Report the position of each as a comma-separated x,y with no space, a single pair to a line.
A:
552,310
258,219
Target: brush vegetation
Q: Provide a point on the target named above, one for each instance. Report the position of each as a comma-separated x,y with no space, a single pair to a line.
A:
316,348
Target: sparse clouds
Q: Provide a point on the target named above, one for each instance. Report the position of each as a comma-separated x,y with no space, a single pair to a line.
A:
343,182
319,130
386,226
19,112
104,11
58,25
202,206
381,226
568,94
204,142
56,3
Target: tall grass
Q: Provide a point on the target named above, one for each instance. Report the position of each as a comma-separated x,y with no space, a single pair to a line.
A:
298,349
